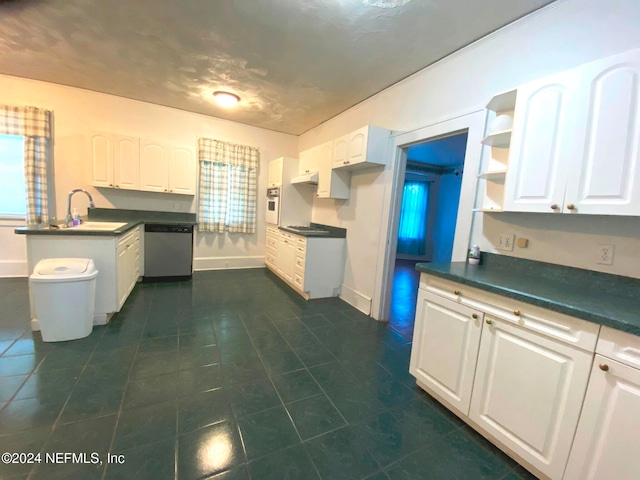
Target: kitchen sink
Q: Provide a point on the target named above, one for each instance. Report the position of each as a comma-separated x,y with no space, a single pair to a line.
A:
102,226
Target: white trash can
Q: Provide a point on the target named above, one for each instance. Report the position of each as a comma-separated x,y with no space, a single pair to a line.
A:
64,290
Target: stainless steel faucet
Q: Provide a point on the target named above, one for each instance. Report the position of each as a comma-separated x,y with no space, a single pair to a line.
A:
68,219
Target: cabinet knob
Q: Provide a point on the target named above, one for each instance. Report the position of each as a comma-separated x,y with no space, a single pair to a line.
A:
474,315
554,206
488,321
516,312
165,189
571,206
604,367
456,292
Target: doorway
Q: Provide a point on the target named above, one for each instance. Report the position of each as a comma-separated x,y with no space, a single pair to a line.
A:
427,219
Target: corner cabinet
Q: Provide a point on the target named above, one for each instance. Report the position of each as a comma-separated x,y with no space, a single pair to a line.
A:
575,146
515,372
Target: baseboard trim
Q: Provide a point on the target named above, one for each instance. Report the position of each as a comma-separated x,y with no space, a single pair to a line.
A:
13,268
226,263
356,299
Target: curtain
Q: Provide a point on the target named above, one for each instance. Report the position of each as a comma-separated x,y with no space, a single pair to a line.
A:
35,125
228,187
413,219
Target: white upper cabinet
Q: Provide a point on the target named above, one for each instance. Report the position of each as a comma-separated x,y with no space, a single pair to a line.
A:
275,172
575,141
605,177
364,148
101,151
154,166
331,183
308,162
126,162
133,163
182,170
541,143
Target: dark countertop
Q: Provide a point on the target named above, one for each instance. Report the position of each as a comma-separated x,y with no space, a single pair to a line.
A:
133,218
610,300
334,232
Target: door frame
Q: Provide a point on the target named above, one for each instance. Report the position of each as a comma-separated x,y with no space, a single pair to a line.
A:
474,124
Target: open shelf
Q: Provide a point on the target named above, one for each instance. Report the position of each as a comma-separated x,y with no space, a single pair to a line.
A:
493,175
499,139
503,101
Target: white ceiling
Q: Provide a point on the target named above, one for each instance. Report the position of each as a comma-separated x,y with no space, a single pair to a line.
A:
294,63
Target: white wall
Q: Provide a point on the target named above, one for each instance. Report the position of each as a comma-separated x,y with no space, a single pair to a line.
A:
561,36
79,112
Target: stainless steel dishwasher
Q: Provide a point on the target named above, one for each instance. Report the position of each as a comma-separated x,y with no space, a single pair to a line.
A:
168,252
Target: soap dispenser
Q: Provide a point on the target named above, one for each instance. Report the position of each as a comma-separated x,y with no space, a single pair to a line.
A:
76,217
474,255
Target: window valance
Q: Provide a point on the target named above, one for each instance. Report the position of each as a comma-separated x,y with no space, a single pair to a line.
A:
216,151
25,121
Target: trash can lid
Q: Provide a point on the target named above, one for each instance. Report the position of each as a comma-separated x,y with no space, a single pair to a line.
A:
64,267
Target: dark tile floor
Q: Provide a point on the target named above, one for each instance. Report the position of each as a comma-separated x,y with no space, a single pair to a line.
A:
227,376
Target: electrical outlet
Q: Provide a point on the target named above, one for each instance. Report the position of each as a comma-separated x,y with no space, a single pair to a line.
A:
605,255
505,241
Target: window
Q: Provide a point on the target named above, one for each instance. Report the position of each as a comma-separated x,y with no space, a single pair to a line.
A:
13,196
413,219
228,187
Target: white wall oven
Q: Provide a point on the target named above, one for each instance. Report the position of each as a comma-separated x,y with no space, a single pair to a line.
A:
273,206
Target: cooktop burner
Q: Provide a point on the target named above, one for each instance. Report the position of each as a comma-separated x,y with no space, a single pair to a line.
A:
306,229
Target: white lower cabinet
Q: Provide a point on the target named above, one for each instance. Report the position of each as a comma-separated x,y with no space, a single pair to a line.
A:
528,392
311,266
116,258
515,372
449,337
608,435
128,265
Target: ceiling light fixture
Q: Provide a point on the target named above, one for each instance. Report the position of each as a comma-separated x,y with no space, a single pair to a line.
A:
385,3
226,99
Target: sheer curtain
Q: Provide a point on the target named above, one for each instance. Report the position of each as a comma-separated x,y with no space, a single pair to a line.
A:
227,196
413,219
35,125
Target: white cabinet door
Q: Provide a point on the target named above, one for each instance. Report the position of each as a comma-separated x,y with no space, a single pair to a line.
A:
101,151
308,162
605,175
445,348
154,166
331,183
275,172
542,141
126,162
528,391
182,170
340,151
608,435
122,268
287,258
357,149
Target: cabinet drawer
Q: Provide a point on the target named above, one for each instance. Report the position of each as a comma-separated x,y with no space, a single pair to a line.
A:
270,259
128,238
301,250
300,262
298,280
553,324
299,270
301,241
271,250
272,242
621,346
